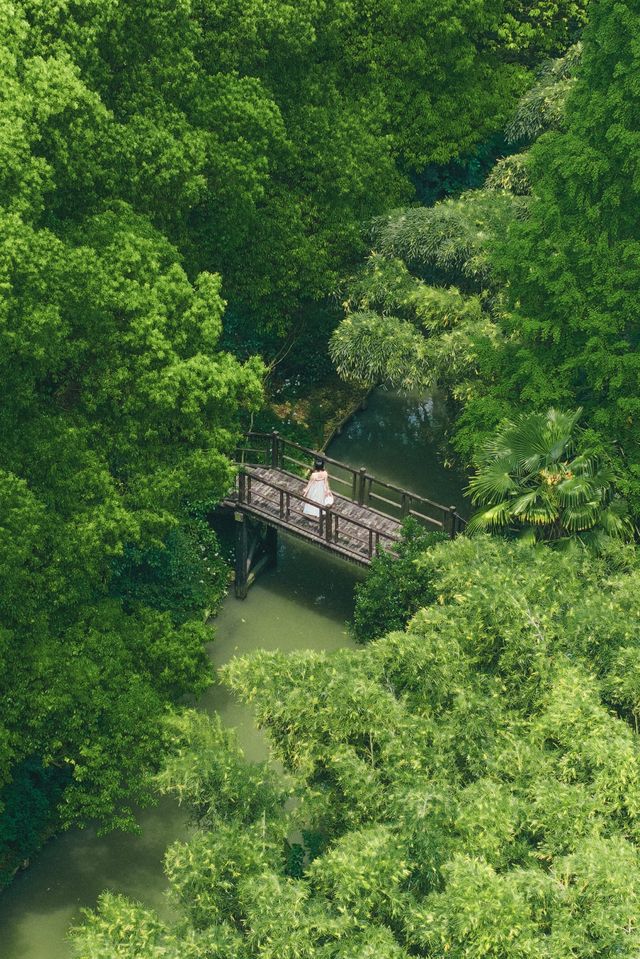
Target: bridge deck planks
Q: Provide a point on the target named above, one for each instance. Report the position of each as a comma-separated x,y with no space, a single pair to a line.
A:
351,541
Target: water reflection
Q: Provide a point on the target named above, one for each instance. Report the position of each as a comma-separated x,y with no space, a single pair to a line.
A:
71,872
401,439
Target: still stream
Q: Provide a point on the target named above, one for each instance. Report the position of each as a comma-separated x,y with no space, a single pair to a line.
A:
303,604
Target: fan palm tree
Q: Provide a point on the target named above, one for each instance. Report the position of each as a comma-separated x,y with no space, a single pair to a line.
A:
532,477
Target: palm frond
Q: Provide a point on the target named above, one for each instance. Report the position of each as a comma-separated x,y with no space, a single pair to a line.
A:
495,517
526,502
585,464
526,441
528,474
542,513
615,522
490,485
576,519
574,491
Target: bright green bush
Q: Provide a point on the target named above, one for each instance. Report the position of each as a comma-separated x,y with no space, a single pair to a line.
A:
538,475
475,781
394,588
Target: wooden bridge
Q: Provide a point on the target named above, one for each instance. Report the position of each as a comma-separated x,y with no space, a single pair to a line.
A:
366,515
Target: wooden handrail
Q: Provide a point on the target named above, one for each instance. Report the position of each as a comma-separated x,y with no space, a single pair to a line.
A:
305,499
330,520
362,482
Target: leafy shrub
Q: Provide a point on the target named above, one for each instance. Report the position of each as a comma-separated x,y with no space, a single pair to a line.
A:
537,474
184,576
395,588
28,805
477,796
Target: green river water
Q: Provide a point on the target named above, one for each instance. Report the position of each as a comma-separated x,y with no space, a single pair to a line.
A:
303,604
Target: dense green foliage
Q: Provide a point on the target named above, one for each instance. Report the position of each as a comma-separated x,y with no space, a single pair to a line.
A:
183,575
546,27
538,270
425,310
258,136
573,266
394,589
155,158
468,788
29,812
539,475
468,785
116,406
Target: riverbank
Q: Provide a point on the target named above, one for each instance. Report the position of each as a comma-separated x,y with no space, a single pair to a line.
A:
303,604
313,417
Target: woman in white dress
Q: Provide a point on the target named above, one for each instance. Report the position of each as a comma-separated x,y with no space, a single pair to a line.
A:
318,490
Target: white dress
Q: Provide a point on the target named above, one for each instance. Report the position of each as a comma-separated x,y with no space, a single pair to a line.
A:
317,489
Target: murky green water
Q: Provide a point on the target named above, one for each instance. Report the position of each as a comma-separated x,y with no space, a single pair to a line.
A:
400,440
303,604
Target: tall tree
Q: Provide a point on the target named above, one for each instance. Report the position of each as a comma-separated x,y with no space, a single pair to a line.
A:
117,407
424,310
261,135
573,266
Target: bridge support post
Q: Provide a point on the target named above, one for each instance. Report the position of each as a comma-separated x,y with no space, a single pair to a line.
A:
271,545
242,556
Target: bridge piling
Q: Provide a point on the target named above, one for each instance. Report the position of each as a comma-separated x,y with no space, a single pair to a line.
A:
271,545
242,556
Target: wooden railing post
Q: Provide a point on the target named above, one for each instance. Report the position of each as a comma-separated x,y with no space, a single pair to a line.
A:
362,480
327,528
395,502
275,449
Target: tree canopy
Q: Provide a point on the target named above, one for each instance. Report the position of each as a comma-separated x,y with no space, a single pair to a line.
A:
467,788
258,136
523,293
571,266
175,166
118,409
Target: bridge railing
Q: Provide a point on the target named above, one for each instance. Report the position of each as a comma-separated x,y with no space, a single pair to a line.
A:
335,529
271,449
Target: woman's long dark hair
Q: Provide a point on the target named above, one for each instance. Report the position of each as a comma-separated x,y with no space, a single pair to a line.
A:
318,464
